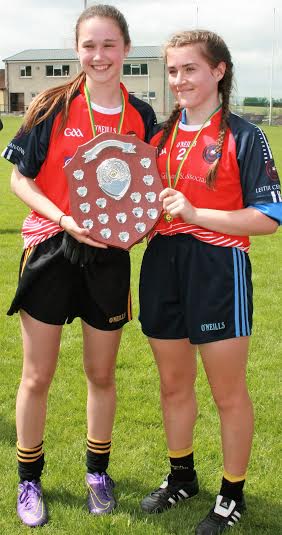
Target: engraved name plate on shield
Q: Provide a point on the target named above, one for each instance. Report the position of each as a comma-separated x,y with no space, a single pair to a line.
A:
114,188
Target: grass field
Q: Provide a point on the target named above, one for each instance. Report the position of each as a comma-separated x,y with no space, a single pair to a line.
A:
139,452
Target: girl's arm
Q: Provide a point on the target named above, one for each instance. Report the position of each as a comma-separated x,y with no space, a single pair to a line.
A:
27,190
244,222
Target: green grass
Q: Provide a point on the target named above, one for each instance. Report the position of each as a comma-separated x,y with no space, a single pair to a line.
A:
139,453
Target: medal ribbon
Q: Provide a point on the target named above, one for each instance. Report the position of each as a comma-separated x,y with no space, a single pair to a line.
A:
173,138
91,114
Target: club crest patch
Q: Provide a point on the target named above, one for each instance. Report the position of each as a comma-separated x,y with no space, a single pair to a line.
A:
271,170
209,153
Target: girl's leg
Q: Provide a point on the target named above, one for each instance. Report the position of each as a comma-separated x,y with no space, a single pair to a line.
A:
176,361
225,365
100,351
41,343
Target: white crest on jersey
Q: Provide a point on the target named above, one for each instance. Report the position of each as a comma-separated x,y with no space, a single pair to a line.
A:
73,132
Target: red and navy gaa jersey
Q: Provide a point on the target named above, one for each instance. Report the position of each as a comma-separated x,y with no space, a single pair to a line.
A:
42,152
246,175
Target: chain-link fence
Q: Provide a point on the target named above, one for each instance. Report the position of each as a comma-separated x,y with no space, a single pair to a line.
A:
259,114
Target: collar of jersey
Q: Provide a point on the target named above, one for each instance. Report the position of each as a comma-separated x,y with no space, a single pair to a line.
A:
106,111
192,127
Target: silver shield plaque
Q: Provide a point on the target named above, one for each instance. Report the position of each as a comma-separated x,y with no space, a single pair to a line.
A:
114,188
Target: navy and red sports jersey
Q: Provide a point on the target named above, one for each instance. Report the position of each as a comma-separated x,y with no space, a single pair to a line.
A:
246,175
42,152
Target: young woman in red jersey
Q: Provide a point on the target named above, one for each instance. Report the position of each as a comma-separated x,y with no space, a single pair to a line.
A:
52,289
221,186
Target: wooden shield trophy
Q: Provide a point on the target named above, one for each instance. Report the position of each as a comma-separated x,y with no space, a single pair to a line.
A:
114,187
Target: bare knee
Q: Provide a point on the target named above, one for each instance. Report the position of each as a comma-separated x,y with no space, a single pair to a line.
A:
36,383
176,390
103,381
233,401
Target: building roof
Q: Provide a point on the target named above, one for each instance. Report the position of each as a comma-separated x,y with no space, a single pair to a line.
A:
69,54
43,54
145,52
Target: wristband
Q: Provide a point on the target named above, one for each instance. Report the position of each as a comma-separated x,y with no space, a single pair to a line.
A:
61,217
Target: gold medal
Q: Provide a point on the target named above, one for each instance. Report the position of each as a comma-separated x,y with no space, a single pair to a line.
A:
167,217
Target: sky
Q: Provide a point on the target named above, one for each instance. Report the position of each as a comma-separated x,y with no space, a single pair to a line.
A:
252,30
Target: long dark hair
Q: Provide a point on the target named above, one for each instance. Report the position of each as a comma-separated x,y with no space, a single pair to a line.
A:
46,102
214,50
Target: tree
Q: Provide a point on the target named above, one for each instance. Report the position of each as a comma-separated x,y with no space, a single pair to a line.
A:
277,103
256,101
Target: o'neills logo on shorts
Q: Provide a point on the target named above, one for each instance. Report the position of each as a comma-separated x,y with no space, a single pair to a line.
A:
206,327
114,319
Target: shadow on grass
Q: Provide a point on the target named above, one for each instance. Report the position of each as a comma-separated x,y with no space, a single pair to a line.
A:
263,515
10,231
8,433
129,493
175,521
65,497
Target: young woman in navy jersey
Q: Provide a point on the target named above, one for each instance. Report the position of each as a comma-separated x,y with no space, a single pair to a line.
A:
221,186
60,278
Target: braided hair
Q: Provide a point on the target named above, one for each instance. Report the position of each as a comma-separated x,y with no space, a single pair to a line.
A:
214,50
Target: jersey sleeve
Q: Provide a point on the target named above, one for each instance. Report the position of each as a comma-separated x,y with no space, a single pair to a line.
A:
149,120
273,210
259,177
28,150
150,126
156,134
147,114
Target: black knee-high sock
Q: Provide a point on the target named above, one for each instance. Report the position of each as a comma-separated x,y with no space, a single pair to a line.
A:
30,462
97,455
182,464
232,486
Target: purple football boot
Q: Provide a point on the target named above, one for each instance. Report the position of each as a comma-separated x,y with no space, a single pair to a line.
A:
101,500
31,507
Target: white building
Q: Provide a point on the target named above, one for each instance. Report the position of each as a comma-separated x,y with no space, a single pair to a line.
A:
31,71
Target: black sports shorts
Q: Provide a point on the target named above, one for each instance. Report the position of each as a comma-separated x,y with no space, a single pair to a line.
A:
191,289
54,291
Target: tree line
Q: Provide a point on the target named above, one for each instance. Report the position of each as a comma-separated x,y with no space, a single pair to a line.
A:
262,102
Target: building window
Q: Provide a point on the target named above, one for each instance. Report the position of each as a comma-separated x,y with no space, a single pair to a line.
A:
127,69
144,95
148,95
57,70
135,69
25,71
